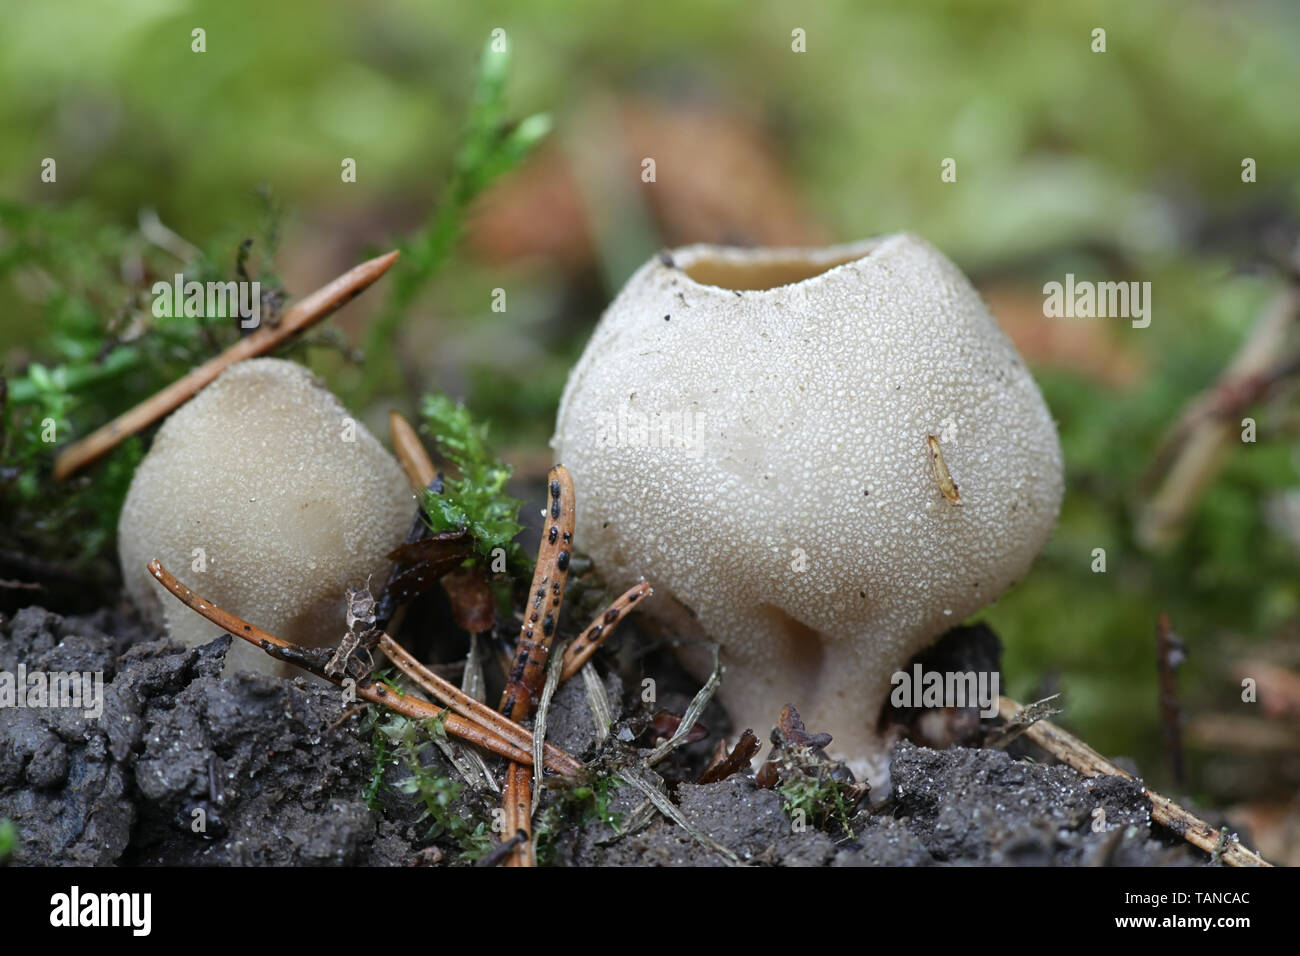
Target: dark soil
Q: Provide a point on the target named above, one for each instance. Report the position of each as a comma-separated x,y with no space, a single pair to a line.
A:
276,779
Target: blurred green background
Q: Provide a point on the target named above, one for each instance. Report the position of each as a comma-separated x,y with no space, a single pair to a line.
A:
1123,165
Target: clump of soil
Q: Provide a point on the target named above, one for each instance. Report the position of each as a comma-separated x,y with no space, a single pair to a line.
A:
250,761
984,807
950,807
278,779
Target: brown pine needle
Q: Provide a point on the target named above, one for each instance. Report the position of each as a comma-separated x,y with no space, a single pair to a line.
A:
375,692
1073,752
528,670
517,802
542,613
524,682
411,452
267,338
582,649
462,703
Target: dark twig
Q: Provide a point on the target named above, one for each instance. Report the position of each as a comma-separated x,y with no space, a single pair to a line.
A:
499,854
1170,654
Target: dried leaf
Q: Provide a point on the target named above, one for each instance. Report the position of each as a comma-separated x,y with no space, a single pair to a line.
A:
791,731
431,558
665,723
431,547
735,762
790,734
470,594
352,656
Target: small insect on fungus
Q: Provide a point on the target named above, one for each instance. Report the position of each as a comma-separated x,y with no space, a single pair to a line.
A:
946,484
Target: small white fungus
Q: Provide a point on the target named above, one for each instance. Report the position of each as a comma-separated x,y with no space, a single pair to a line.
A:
324,514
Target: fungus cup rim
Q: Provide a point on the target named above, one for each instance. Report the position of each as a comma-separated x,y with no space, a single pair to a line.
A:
830,262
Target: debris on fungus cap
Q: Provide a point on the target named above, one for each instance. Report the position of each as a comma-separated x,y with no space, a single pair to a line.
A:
828,457
265,496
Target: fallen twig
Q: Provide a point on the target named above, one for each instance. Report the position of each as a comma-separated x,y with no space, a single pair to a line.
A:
297,320
1170,653
499,853
545,597
1022,721
411,452
1075,753
20,585
516,806
1194,448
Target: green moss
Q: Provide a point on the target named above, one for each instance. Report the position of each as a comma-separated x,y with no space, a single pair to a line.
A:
8,839
103,351
585,805
811,794
440,795
476,499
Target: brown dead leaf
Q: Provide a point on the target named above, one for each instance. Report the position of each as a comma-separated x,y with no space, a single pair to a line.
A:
431,547
470,594
665,723
725,764
431,558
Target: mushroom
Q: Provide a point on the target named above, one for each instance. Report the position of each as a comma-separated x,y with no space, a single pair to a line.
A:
827,457
277,500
